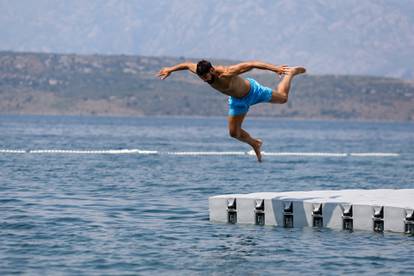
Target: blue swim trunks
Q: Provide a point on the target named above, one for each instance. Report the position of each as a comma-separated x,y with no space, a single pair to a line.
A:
257,94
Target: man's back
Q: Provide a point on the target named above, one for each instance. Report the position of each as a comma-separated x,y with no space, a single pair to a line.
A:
234,86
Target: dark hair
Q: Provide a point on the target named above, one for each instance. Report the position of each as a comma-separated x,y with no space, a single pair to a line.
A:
203,67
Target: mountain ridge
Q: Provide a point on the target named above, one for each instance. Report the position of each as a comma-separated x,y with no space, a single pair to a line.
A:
121,85
351,37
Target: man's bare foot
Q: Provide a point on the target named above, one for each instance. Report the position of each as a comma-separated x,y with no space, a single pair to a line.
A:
256,147
296,70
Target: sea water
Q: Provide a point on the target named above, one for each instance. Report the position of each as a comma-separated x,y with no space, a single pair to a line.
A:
79,197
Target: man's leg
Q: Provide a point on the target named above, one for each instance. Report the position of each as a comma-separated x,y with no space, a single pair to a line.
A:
281,94
236,131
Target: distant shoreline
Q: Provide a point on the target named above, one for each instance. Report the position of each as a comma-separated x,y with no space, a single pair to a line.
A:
124,85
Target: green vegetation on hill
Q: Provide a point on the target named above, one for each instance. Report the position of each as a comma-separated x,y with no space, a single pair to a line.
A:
32,83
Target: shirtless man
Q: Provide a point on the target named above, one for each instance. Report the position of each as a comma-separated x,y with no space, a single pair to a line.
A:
242,92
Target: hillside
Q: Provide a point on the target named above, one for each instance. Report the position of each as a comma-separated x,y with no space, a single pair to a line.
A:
37,83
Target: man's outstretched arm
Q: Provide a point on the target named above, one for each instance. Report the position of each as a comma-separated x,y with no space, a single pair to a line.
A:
247,66
166,71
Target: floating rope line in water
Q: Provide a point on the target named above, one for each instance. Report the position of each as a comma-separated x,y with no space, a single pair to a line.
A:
197,153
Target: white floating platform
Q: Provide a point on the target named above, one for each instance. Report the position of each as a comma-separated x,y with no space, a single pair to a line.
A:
372,210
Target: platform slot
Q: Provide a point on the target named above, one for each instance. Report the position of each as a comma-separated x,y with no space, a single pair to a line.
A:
347,218
378,219
409,222
288,214
317,218
232,211
259,212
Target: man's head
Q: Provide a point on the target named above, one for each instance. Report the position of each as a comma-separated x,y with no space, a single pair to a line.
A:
206,71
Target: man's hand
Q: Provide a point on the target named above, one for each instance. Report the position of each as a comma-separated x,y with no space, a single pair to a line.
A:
282,70
164,73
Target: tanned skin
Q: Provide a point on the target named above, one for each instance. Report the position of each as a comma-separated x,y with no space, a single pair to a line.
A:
227,80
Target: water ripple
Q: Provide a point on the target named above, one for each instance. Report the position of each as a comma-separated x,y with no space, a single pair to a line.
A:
101,214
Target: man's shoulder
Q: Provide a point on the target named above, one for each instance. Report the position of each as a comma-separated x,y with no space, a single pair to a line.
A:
220,68
224,71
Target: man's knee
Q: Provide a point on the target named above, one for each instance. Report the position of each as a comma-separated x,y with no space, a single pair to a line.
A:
283,99
279,98
234,132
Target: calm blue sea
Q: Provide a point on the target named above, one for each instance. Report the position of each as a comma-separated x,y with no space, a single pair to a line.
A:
135,214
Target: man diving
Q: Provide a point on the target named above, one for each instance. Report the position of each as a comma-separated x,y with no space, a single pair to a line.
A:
242,92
